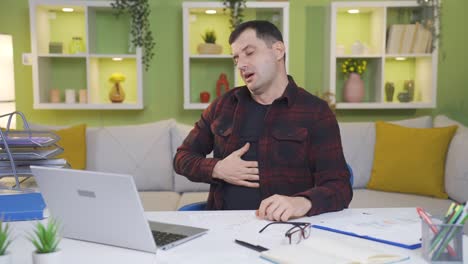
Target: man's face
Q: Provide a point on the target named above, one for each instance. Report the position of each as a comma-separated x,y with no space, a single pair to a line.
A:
257,63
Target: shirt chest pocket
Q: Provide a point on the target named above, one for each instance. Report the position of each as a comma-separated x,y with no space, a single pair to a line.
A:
222,133
289,147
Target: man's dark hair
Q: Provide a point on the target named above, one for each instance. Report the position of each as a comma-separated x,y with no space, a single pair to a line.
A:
265,31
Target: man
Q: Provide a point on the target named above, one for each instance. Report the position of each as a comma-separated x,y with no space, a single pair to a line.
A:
276,147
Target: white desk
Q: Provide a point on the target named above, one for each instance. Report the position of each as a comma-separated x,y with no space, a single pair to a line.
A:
215,247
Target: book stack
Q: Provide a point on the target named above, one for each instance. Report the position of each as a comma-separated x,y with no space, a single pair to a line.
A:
409,39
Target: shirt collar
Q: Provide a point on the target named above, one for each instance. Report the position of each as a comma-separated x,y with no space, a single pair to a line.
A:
289,94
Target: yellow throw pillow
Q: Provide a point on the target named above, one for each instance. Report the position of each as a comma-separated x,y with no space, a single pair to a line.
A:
73,142
410,160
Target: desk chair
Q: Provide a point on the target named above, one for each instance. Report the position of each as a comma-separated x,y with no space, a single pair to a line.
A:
200,206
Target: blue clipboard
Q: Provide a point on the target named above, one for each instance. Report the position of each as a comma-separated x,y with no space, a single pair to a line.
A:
21,207
412,246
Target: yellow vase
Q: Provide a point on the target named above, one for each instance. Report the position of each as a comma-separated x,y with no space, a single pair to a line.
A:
117,93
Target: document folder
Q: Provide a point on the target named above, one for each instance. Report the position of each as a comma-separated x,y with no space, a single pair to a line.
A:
393,243
21,206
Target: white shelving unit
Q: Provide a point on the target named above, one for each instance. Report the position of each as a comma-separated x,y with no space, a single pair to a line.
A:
371,27
105,40
201,71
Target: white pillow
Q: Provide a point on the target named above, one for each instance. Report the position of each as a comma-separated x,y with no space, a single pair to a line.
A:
143,151
456,164
181,184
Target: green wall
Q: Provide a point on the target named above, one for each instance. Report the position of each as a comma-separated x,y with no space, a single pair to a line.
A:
163,83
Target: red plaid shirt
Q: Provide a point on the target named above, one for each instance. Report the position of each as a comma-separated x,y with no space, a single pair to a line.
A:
299,152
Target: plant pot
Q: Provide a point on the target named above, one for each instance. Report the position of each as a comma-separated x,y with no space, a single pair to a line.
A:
47,258
209,48
204,97
353,91
6,258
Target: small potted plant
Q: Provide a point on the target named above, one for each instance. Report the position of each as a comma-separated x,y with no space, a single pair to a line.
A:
210,46
354,86
46,239
5,257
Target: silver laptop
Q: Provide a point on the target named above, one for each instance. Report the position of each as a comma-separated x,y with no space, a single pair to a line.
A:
105,208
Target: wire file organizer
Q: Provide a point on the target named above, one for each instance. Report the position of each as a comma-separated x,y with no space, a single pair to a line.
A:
21,148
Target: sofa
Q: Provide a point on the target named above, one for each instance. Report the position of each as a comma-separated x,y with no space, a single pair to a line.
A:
145,151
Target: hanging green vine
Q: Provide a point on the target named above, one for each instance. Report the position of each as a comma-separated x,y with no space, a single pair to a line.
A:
431,18
236,8
142,36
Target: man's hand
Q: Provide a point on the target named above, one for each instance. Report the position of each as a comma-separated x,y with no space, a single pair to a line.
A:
282,208
237,171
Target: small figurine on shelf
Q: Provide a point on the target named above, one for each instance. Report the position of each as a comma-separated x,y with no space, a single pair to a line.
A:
409,87
117,94
77,45
389,91
222,81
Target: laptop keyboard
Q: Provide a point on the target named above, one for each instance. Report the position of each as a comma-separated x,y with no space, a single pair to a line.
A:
164,238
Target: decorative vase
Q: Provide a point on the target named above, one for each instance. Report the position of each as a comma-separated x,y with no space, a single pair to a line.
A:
409,87
47,258
389,91
5,258
117,93
209,48
353,88
404,97
220,83
204,97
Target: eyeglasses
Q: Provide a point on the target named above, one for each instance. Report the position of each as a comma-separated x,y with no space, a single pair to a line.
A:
296,233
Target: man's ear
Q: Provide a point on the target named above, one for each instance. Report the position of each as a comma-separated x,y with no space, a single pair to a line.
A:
279,49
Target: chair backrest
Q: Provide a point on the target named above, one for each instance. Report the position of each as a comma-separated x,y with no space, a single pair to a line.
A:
200,206
351,175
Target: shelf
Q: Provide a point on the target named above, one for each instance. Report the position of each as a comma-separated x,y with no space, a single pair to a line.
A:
366,35
60,73
77,106
52,55
384,105
358,56
201,71
104,49
372,80
209,56
101,68
409,55
101,41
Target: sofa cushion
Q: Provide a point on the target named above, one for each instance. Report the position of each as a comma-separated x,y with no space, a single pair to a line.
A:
73,142
192,197
363,198
456,166
143,151
410,160
181,184
159,201
358,139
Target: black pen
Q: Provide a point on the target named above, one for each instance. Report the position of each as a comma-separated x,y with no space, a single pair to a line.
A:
254,247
